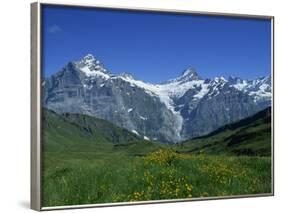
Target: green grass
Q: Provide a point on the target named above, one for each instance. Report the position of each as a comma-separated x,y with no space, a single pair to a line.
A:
88,161
91,177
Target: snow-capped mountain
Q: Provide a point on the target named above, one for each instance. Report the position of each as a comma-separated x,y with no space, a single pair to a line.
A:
178,109
259,89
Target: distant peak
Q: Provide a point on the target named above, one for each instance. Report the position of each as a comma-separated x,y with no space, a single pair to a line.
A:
189,71
220,79
190,74
126,75
234,80
88,57
89,62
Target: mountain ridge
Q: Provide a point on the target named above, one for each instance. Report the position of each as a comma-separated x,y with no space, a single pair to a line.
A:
87,87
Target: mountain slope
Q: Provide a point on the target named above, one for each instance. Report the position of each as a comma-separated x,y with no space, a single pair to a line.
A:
182,108
81,132
249,136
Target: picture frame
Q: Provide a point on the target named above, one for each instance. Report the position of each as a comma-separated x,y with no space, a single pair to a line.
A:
37,112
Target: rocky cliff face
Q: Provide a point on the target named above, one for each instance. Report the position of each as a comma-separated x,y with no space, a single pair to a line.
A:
185,107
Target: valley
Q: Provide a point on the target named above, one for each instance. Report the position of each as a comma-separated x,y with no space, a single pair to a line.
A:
89,160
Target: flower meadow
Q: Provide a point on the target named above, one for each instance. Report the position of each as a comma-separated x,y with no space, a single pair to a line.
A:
162,174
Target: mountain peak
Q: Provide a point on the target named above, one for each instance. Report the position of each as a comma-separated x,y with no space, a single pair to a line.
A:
189,74
90,64
189,71
220,79
88,59
234,80
126,75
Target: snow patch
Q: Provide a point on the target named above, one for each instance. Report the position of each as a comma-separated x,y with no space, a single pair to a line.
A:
135,132
202,92
241,86
146,138
143,118
94,73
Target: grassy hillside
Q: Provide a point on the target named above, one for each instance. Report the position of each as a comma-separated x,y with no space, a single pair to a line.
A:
75,132
250,136
88,160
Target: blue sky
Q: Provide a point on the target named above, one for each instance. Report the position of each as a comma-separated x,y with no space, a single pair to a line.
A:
156,46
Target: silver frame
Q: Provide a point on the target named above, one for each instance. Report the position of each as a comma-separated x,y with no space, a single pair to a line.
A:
36,52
